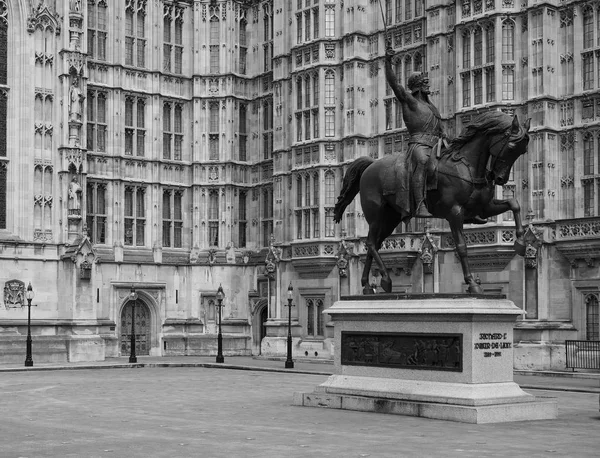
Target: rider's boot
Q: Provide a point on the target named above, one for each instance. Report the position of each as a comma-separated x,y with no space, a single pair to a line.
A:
475,219
418,183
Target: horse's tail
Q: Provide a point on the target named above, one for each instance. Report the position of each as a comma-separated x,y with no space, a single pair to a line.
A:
351,186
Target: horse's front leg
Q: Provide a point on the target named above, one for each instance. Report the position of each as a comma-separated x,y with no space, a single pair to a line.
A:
496,207
456,220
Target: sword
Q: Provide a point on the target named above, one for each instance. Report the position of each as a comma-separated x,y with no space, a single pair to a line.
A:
385,31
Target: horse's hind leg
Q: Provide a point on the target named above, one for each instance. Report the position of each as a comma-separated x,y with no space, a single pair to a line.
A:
456,220
379,230
364,280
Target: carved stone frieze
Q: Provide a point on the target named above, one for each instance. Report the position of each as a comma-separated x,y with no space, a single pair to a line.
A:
489,259
579,241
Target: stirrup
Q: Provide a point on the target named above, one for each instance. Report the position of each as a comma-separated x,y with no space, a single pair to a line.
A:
422,212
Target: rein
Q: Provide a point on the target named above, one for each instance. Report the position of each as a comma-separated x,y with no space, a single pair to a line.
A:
479,182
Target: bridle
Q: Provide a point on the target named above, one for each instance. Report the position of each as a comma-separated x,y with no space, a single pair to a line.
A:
498,157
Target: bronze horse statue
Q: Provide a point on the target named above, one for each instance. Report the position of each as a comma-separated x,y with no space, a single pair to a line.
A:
477,160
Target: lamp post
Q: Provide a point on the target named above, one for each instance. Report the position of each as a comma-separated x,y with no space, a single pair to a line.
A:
29,295
220,296
132,297
289,363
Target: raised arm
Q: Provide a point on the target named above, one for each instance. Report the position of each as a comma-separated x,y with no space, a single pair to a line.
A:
402,94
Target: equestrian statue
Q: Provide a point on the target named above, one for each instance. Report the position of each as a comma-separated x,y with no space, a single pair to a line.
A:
436,178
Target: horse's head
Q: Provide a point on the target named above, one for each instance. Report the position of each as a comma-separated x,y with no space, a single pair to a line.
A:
505,149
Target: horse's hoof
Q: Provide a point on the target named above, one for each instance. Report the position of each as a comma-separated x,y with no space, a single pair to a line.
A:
520,247
368,290
386,285
475,289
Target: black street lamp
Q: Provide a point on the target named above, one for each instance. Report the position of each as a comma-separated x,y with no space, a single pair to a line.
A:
289,363
29,295
132,297
220,296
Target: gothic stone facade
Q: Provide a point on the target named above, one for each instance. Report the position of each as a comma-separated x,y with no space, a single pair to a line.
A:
173,146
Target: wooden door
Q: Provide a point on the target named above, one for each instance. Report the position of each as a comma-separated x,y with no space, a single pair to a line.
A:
142,329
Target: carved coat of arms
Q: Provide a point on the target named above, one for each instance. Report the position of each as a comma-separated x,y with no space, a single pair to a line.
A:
14,293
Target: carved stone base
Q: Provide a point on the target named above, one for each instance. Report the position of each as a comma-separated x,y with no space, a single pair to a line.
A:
533,409
435,356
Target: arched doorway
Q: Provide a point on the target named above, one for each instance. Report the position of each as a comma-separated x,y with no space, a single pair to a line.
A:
260,315
264,316
142,328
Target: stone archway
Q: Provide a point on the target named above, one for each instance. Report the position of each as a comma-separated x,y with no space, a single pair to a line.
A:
260,313
143,328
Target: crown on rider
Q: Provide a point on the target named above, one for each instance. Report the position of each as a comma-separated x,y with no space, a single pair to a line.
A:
416,81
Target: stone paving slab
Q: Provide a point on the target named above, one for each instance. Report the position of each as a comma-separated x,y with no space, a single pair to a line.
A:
208,412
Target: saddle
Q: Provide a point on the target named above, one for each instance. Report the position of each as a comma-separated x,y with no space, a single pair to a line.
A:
397,178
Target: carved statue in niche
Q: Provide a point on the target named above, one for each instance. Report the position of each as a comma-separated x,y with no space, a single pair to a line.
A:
75,6
76,98
75,192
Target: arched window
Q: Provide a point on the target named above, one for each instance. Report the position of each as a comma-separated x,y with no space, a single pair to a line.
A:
3,111
418,62
388,12
214,117
242,34
315,325
267,27
508,83
329,188
592,324
478,46
243,46
299,191
418,8
315,79
299,93
316,188
588,27
307,190
215,44
330,20
398,68
213,218
407,68
466,51
588,154
508,40
598,30
97,30
490,44
329,122
307,91
329,88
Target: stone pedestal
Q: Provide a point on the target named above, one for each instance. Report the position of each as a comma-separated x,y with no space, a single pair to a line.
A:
438,356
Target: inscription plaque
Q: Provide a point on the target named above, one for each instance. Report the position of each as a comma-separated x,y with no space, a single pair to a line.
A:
441,352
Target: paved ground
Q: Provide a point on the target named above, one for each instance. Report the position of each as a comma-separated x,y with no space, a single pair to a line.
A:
559,380
210,412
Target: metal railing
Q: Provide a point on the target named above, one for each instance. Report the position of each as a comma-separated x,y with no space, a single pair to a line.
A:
583,354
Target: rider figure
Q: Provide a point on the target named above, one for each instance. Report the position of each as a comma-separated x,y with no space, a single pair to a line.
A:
424,125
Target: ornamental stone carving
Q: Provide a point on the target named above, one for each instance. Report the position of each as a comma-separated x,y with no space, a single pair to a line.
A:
533,241
40,17
342,259
14,294
427,254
